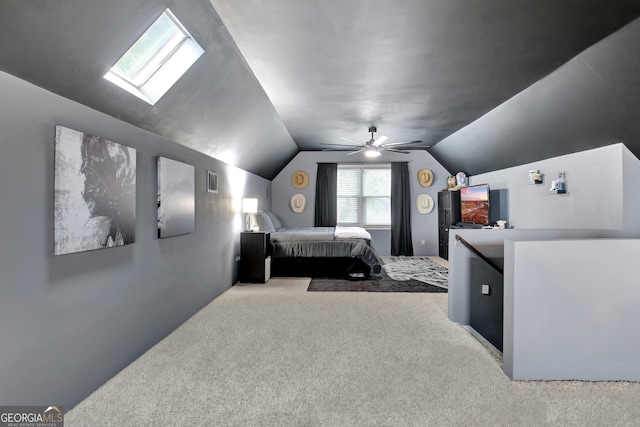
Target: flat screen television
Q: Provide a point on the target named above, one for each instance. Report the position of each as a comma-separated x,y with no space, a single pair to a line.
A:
474,204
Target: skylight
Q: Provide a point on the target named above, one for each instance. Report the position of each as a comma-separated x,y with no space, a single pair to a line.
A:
156,60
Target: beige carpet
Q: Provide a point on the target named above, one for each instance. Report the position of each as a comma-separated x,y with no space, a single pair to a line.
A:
276,355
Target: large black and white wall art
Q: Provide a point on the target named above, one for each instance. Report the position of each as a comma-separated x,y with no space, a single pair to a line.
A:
95,192
176,198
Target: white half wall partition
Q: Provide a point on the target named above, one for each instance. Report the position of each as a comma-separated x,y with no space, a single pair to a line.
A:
490,242
599,213
571,310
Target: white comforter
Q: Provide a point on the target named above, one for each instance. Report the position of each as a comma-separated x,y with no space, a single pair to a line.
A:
351,233
316,234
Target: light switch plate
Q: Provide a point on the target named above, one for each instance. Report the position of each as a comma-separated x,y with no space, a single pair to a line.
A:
486,290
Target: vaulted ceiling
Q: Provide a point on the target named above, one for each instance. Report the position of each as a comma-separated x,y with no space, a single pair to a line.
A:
486,84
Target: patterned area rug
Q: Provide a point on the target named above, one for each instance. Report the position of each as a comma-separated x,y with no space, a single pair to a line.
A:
406,271
417,268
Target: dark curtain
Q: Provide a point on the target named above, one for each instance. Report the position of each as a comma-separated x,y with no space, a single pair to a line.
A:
326,214
401,242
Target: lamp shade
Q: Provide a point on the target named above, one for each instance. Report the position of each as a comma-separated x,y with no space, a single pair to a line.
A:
249,205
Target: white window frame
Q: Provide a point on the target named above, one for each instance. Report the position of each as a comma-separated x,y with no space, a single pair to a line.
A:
163,69
362,199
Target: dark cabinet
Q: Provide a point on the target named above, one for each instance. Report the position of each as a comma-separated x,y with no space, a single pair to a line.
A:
255,262
448,215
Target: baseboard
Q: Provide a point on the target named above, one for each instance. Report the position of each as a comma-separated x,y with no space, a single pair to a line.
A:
497,353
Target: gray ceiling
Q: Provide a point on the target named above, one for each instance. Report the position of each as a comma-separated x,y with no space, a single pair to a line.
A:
488,84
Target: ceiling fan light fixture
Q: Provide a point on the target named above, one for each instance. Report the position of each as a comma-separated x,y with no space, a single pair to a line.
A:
372,152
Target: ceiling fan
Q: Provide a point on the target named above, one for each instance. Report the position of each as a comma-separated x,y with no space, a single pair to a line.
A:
372,148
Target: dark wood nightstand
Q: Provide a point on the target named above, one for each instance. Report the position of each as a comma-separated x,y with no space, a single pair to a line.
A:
255,262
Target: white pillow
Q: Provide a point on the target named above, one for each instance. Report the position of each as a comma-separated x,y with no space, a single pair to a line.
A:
264,222
275,221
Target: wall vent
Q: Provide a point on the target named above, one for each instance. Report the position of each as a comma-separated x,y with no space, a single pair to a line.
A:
212,182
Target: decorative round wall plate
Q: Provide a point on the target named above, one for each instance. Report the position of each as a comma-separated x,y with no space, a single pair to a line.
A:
299,179
298,203
424,203
425,177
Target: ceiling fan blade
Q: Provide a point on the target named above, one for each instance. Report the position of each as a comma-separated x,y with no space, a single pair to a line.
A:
351,141
397,151
403,143
379,140
356,152
337,145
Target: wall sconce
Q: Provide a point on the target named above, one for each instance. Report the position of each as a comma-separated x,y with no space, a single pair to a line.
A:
536,177
250,207
559,186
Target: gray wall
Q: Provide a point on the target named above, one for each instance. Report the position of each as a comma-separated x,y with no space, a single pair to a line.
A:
423,227
70,322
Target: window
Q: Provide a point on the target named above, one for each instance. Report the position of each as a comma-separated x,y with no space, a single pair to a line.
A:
364,195
156,60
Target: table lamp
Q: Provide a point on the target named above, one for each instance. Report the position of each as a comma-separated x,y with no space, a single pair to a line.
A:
250,207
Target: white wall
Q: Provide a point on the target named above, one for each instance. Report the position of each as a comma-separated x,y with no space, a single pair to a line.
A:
631,192
490,243
424,227
594,198
571,310
603,200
